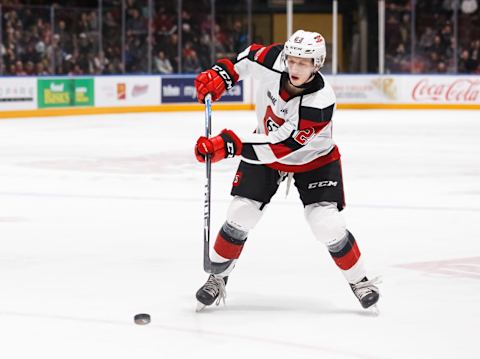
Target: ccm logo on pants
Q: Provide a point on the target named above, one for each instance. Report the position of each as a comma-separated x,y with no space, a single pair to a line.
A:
322,184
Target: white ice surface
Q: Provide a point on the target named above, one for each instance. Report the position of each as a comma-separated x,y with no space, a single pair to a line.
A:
101,218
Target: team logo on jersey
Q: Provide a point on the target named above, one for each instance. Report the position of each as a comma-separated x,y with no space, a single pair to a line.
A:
237,179
271,121
271,125
320,184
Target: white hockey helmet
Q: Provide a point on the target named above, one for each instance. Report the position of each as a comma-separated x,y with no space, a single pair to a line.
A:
306,44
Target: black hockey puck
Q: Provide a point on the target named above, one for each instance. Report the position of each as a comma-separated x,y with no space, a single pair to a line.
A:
142,318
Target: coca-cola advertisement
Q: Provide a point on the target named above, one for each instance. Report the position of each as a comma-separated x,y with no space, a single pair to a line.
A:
401,90
445,89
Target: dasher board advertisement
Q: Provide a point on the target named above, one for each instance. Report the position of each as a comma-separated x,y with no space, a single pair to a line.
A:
127,91
181,89
65,92
364,88
18,93
441,89
407,89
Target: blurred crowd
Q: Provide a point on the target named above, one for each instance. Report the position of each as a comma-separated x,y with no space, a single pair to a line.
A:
46,38
434,49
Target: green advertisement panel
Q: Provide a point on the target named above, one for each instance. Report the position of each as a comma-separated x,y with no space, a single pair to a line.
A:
83,90
65,92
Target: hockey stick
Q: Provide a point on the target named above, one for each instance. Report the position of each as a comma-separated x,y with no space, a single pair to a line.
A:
207,264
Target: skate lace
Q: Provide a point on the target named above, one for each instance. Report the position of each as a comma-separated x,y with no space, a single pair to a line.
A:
216,286
361,289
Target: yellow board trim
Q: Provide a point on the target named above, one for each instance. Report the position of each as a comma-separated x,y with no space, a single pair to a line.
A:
75,111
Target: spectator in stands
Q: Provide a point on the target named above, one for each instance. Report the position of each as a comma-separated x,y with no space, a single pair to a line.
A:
162,64
30,68
65,38
110,26
399,62
164,22
191,64
204,51
438,46
19,70
221,42
187,34
434,60
28,36
93,21
239,37
475,51
171,51
136,23
40,69
466,64
441,68
83,25
55,54
426,39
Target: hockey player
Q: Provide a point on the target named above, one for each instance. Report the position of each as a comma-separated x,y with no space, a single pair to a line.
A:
294,107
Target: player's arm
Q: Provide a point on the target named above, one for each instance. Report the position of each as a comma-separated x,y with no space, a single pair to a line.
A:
261,148
228,144
225,73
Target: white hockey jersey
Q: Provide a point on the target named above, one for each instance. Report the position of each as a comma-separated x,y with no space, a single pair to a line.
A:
294,134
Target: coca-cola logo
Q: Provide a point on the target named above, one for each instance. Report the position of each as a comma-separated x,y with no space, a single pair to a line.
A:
457,90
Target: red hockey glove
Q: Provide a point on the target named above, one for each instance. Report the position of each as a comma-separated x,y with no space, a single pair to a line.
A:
213,81
225,145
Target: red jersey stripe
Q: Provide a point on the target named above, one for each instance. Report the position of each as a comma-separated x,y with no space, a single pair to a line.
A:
333,156
280,150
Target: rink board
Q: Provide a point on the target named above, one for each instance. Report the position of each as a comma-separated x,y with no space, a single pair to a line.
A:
64,96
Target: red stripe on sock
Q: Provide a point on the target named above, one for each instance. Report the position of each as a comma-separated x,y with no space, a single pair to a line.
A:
348,260
227,249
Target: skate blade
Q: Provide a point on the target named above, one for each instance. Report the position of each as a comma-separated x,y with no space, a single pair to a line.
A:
200,307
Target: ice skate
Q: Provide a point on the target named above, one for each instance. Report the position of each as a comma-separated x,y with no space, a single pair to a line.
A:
367,293
213,290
